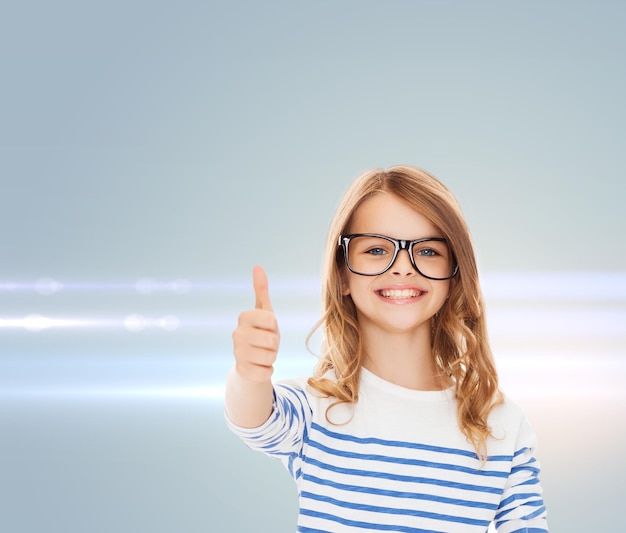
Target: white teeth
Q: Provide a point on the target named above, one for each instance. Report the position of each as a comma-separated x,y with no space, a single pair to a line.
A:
399,293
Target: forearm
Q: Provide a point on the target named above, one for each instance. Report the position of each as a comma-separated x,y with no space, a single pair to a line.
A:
248,403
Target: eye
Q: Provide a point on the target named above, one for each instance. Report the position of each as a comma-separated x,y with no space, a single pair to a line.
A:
427,252
376,251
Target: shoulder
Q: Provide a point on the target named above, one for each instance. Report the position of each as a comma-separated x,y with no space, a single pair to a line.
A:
509,423
507,412
298,389
296,386
292,389
298,383
301,383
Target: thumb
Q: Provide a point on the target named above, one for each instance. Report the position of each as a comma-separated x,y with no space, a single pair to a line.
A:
261,289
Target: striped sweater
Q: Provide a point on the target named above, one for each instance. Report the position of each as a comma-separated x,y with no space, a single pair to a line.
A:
397,461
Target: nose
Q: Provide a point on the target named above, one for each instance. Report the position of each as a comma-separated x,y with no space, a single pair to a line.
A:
402,266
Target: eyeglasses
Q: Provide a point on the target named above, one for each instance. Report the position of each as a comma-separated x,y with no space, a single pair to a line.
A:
369,254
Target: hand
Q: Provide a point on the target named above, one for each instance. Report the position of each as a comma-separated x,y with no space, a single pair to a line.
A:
256,338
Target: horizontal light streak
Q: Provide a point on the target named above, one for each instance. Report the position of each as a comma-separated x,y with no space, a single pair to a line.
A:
555,322
524,286
209,392
540,376
550,362
516,389
49,286
138,323
131,323
555,286
36,322
578,321
548,376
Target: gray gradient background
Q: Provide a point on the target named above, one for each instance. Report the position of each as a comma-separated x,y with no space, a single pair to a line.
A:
152,152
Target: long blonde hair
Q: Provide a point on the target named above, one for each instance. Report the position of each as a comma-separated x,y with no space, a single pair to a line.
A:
459,340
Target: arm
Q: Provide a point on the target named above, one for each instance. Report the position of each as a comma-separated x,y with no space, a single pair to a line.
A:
249,392
283,435
248,403
522,508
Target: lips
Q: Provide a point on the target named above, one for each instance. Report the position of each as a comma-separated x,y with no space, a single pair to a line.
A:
400,293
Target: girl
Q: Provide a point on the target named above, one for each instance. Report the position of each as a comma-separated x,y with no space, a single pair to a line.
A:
402,427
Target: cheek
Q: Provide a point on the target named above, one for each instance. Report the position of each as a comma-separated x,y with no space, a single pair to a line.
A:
448,289
442,295
445,298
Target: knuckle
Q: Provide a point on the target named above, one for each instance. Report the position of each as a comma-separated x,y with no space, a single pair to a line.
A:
271,341
244,317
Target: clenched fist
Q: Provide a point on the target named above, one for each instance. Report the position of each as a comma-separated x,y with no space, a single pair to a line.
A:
256,338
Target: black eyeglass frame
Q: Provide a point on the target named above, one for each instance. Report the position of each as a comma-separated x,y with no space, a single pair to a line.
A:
399,244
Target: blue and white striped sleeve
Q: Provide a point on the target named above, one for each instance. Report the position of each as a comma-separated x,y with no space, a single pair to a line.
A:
522,508
285,432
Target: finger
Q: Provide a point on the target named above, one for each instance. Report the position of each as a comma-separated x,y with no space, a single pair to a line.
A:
255,337
255,356
261,289
257,319
265,340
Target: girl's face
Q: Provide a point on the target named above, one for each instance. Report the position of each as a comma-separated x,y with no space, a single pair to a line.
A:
400,300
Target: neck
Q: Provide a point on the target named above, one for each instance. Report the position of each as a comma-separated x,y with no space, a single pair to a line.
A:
405,359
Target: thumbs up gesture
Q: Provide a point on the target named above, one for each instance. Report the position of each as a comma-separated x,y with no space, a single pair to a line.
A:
256,338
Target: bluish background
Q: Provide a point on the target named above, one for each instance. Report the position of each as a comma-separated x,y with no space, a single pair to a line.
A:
152,152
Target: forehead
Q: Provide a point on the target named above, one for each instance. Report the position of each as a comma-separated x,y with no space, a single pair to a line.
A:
387,214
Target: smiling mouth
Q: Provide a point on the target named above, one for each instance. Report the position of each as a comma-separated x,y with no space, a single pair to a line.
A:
400,293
